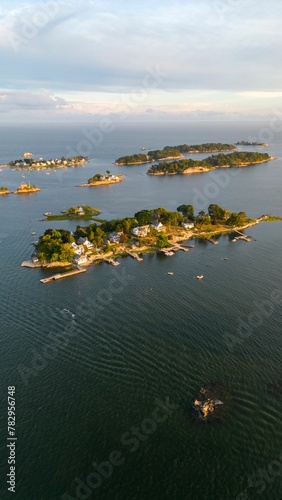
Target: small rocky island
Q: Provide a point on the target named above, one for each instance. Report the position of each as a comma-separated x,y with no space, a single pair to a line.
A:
83,212
102,180
26,189
247,143
4,190
212,403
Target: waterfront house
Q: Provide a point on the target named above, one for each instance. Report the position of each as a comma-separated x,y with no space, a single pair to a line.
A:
86,242
157,225
80,259
115,237
140,231
79,249
187,224
80,211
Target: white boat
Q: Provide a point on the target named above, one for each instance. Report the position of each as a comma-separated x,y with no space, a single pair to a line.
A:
170,274
33,232
47,213
200,277
169,254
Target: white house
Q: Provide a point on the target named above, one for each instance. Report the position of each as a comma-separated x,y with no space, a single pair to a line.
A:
140,230
80,259
157,225
86,242
80,211
187,224
115,237
79,249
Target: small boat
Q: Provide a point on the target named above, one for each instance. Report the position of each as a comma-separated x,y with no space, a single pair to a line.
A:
200,277
47,213
143,149
170,274
169,254
33,232
47,173
225,258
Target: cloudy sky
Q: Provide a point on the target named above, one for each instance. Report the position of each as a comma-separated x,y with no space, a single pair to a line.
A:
150,60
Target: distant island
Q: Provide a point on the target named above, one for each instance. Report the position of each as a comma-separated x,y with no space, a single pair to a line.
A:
102,180
188,166
246,143
26,189
31,164
156,230
174,152
4,190
83,212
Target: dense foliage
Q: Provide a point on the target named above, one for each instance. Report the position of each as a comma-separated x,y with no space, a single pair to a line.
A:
219,160
54,246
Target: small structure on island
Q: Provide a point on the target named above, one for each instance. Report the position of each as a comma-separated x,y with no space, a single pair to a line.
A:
80,260
158,226
80,211
115,237
212,403
187,224
140,230
85,242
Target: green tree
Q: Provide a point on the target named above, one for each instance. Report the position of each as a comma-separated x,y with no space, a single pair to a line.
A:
216,213
162,240
187,211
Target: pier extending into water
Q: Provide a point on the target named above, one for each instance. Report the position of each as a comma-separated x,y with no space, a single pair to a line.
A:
135,256
60,276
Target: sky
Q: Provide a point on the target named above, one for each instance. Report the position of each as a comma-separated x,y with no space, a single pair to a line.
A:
82,60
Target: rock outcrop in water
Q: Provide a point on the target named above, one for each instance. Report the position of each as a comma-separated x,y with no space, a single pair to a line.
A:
275,389
212,403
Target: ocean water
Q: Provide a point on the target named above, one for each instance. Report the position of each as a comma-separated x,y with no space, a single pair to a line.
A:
91,362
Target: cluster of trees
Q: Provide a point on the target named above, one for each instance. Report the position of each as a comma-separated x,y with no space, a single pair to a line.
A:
174,152
4,189
98,177
208,147
158,215
246,143
93,232
55,246
187,211
237,158
86,208
177,167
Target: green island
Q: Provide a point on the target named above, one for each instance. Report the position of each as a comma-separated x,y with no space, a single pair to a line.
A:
188,166
4,190
147,231
83,212
173,152
102,180
31,164
26,189
247,143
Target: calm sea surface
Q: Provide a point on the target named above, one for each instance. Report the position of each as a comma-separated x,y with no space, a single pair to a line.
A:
152,337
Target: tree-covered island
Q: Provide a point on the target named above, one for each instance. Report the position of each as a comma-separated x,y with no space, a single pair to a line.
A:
189,166
247,143
174,152
32,164
4,190
83,212
147,231
103,180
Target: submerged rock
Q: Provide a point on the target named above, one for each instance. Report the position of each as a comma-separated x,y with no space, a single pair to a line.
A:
275,389
212,403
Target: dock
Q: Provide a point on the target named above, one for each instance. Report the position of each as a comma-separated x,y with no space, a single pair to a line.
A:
60,276
213,241
112,262
135,256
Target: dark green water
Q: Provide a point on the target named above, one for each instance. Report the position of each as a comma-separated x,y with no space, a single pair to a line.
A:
153,338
